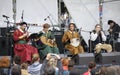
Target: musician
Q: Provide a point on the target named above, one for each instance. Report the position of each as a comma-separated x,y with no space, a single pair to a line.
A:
21,47
70,34
98,38
114,29
47,39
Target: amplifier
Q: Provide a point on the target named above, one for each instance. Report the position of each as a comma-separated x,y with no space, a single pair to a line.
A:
117,46
57,32
6,46
3,31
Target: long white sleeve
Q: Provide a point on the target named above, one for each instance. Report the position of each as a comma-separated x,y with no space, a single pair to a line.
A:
103,36
94,36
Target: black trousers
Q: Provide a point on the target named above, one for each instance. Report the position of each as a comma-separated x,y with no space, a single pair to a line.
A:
98,58
76,59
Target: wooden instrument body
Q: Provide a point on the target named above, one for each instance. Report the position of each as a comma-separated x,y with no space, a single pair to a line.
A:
48,42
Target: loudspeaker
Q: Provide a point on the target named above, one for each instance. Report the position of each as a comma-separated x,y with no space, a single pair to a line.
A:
3,31
5,46
59,43
117,47
58,37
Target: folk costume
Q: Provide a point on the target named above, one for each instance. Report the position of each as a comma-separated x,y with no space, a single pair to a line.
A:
21,47
67,39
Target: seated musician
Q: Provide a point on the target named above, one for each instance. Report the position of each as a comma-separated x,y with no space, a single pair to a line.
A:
47,43
21,48
70,37
98,38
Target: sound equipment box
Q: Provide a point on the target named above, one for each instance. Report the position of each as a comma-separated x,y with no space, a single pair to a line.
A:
5,46
3,31
117,47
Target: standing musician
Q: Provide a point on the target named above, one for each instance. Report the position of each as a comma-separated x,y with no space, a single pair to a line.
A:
71,40
98,38
113,30
47,40
21,47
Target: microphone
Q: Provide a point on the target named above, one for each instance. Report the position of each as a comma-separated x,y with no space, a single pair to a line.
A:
99,32
22,15
5,16
46,18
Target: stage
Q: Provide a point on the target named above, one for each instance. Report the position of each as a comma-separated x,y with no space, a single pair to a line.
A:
108,58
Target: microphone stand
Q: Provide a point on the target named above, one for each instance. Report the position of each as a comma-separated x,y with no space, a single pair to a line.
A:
52,24
79,32
22,15
53,28
90,43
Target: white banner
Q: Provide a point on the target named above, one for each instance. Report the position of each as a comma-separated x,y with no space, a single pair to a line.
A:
5,9
37,11
32,11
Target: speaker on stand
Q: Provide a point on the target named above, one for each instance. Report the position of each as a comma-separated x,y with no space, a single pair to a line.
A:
58,37
6,42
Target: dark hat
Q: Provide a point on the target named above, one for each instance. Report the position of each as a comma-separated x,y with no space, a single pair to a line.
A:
22,23
110,21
